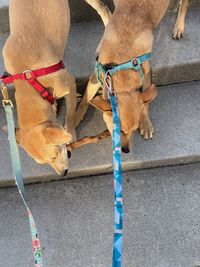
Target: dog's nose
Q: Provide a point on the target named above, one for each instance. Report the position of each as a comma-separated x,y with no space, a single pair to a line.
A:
65,173
69,154
125,150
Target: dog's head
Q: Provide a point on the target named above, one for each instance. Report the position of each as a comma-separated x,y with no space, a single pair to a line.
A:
46,143
131,103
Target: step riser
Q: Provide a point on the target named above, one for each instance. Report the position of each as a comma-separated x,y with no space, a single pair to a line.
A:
83,13
175,115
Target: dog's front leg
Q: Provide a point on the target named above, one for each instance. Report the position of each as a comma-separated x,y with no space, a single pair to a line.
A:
146,127
90,92
180,23
70,100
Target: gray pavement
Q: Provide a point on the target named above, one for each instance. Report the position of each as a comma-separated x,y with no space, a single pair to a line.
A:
175,114
75,220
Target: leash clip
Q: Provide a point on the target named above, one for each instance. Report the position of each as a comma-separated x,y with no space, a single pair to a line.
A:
108,82
4,90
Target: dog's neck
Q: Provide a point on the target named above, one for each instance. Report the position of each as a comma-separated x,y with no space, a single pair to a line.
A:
32,109
36,28
130,31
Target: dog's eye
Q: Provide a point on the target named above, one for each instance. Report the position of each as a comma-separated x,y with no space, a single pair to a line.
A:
55,156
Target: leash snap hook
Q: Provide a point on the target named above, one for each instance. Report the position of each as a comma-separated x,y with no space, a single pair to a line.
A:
4,90
108,82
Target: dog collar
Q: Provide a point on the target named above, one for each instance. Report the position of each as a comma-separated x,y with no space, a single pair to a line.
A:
31,75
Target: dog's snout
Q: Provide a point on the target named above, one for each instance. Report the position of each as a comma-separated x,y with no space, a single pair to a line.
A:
64,173
125,150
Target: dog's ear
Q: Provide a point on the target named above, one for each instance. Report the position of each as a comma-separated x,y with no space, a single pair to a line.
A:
56,135
17,133
18,136
101,104
149,94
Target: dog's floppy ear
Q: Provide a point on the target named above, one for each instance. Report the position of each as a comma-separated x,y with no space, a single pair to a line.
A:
18,136
101,104
149,94
56,135
17,133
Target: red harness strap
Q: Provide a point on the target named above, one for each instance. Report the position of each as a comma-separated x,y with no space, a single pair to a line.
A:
31,75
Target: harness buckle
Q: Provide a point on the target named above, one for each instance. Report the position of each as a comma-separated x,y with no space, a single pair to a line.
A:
7,102
135,62
27,74
108,82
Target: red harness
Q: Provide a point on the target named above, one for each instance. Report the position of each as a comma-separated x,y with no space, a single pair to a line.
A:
31,75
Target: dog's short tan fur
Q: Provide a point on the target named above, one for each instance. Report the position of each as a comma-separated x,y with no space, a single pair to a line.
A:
180,23
129,34
38,35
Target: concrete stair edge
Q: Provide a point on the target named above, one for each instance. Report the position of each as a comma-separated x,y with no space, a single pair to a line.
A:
175,114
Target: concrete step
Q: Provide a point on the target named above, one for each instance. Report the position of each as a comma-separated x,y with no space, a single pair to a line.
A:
175,114
172,61
75,220
80,11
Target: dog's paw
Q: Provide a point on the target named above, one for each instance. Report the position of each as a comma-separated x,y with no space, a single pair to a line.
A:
71,131
146,129
178,33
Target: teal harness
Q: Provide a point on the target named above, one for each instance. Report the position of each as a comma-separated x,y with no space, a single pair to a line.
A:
134,64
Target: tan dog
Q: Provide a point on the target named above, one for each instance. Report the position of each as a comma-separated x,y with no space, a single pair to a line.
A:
180,23
38,35
129,34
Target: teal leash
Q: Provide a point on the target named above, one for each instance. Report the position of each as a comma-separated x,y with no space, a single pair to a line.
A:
136,65
16,165
118,179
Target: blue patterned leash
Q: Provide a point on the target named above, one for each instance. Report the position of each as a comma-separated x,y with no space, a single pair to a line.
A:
117,165
16,165
134,64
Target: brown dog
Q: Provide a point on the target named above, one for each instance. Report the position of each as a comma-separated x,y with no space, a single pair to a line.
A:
180,23
129,34
38,35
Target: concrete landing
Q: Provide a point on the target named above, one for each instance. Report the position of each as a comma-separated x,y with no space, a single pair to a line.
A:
175,114
75,221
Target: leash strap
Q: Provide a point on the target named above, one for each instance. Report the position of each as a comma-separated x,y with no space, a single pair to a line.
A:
117,163
117,166
15,158
136,65
31,75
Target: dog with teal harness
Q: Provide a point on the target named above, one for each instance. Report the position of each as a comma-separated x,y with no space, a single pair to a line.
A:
136,65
